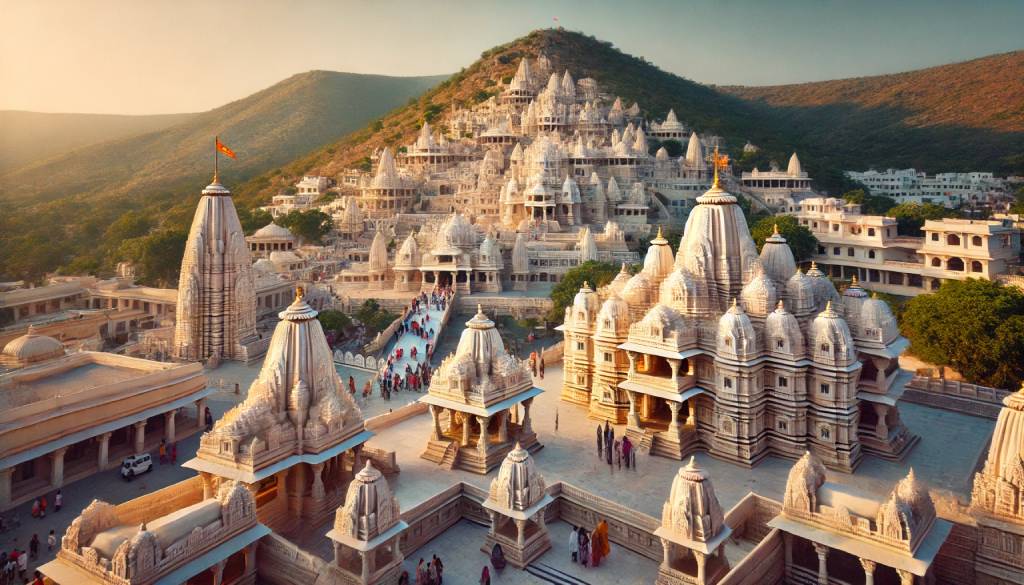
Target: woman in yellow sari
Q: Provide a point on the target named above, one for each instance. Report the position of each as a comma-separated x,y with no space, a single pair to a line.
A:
599,547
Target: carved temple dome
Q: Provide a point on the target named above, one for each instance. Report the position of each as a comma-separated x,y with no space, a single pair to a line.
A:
518,485
692,509
370,508
777,257
32,348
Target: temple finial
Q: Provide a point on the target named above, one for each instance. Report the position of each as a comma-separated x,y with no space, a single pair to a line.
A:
775,229
300,292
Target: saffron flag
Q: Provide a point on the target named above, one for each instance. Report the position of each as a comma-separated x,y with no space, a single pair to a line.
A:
224,149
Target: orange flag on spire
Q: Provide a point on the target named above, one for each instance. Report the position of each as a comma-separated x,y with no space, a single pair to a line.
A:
224,149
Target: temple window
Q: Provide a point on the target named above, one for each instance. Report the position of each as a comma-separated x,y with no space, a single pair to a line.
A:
825,389
849,251
976,266
976,241
783,382
580,346
952,240
825,433
935,237
607,356
728,382
783,425
871,231
780,343
825,348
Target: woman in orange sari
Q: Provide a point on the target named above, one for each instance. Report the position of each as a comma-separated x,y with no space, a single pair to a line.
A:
599,547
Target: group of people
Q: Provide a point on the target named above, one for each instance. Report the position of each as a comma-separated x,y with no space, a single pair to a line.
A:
416,322
537,364
40,504
168,453
14,566
588,549
427,573
614,451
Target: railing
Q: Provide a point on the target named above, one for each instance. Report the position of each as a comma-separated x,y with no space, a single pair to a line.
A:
680,384
956,396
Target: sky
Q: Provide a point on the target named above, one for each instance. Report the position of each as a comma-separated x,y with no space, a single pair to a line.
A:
169,56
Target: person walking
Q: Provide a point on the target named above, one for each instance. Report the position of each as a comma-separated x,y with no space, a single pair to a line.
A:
600,435
33,547
574,544
163,451
618,454
541,367
174,452
51,541
22,564
440,569
485,576
42,506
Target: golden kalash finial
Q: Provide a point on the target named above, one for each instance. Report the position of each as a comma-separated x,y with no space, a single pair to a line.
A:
775,229
659,232
586,284
720,161
299,293
854,281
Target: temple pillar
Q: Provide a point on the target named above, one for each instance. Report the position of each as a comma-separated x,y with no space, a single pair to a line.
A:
282,486
632,362
673,425
520,532
691,412
103,455
218,572
666,547
357,459
906,577
702,562
318,492
6,476
632,417
880,365
869,571
674,364
481,443
57,467
364,561
201,412
822,551
169,434
140,437
465,430
527,428
503,427
250,559
436,420
787,542
207,480
881,428
494,522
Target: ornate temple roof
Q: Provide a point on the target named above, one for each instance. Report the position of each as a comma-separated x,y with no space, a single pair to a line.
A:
378,253
794,169
272,230
387,175
777,258
695,153
692,513
370,512
519,487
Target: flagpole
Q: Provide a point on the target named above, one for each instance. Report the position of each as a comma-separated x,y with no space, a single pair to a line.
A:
216,160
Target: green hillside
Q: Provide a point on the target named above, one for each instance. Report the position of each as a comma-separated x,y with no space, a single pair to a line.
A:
64,206
31,137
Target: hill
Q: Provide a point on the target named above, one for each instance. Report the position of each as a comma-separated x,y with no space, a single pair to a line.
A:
61,209
965,116
961,116
29,137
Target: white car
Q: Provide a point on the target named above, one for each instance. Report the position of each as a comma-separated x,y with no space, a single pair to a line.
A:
135,465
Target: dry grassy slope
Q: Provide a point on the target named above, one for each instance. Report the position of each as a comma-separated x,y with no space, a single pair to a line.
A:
981,93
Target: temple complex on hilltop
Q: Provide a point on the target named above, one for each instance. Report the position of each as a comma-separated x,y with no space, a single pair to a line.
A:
739,354
474,399
216,310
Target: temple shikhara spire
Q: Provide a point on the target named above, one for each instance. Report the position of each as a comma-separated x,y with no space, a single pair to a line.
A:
216,309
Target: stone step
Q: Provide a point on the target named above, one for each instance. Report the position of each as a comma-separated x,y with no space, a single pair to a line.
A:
552,575
451,456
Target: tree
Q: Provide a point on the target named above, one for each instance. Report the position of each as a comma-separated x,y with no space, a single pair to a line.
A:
974,326
800,239
910,217
373,317
594,272
335,321
157,256
253,219
869,204
311,225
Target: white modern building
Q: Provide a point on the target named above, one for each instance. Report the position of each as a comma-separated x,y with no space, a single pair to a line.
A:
948,189
869,247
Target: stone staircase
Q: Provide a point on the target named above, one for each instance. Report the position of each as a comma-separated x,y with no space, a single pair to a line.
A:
436,450
547,573
451,456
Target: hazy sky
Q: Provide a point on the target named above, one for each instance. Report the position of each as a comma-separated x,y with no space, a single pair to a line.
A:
163,56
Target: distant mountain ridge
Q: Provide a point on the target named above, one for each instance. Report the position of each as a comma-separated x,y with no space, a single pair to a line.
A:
32,137
266,129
